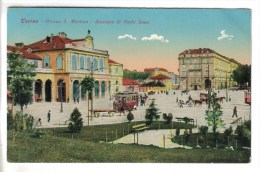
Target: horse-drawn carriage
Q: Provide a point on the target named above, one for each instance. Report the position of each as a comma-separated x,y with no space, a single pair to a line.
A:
125,101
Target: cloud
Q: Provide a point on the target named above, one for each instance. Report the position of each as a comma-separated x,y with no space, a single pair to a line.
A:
155,37
126,36
224,35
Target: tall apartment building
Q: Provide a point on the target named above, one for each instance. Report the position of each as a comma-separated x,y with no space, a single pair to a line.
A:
198,67
61,64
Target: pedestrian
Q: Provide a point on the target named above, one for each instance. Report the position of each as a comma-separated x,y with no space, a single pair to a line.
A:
177,100
74,99
181,103
39,122
234,112
49,116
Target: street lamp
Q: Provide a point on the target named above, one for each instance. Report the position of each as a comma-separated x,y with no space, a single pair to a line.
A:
60,86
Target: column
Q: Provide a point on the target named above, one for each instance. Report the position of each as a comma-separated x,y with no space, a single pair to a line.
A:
43,93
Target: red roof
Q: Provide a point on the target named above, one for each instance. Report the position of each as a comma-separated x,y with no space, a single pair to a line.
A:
160,77
55,43
112,62
127,81
198,51
24,53
153,69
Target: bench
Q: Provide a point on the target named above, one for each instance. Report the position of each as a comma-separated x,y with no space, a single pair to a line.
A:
190,120
140,127
237,120
97,112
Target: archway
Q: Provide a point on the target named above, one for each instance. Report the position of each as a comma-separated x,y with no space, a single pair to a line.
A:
96,89
61,86
76,90
207,83
38,90
103,88
48,95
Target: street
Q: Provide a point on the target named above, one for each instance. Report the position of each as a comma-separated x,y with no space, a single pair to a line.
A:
165,103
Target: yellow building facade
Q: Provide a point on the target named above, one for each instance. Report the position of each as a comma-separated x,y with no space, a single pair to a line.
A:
64,63
198,66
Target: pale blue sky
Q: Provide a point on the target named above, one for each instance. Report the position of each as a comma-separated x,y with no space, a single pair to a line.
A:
180,29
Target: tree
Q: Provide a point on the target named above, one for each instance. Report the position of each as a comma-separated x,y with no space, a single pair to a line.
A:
213,114
151,113
140,76
87,85
76,121
20,79
242,74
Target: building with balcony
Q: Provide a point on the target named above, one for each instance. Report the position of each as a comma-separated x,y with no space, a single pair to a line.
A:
203,67
63,62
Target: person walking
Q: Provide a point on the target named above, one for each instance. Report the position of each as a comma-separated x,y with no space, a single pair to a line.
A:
39,122
49,116
234,112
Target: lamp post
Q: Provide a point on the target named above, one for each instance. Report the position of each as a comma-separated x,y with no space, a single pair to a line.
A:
61,101
226,88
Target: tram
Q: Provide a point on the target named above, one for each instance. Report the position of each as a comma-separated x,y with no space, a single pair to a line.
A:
248,97
125,101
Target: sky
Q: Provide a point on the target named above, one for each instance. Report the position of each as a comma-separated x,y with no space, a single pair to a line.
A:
139,37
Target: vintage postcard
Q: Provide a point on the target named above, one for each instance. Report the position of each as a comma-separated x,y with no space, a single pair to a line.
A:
129,85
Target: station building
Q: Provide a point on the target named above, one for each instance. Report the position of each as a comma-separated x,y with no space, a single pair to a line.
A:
61,64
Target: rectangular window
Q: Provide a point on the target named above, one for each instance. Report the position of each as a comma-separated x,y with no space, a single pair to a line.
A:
182,61
82,59
95,64
74,61
101,64
88,63
35,62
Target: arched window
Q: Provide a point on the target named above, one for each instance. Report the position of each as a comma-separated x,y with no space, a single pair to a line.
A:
96,89
46,61
103,88
59,62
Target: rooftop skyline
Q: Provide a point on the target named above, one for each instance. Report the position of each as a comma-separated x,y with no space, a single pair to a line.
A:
140,38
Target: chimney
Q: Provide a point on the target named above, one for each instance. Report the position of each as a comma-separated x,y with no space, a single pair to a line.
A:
19,44
48,39
89,41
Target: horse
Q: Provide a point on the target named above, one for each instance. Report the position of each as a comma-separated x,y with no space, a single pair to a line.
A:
220,99
199,102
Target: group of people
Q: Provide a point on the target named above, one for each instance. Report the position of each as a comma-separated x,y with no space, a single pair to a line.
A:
143,99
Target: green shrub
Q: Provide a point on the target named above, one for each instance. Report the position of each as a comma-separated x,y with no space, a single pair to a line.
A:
177,132
76,121
243,134
167,118
130,116
151,113
227,133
